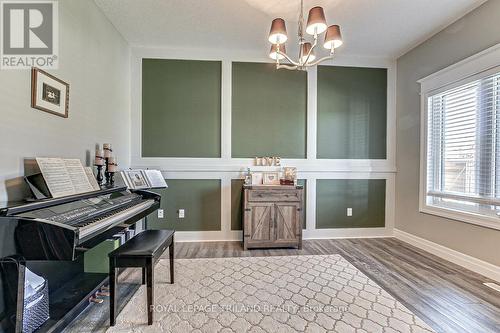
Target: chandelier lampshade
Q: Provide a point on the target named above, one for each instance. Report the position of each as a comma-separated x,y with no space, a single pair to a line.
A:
277,34
333,37
306,48
273,53
316,22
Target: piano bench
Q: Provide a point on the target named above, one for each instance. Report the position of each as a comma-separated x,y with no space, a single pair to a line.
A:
143,251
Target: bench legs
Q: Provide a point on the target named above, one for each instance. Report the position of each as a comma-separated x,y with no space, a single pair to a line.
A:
147,278
150,288
112,290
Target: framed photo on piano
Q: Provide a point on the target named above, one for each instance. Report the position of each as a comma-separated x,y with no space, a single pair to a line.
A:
140,179
135,179
49,93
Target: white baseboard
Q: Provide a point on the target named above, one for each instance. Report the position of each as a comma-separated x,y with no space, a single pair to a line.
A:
233,236
338,233
208,236
476,265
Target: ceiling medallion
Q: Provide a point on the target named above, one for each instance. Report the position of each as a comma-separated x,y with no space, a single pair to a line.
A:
316,25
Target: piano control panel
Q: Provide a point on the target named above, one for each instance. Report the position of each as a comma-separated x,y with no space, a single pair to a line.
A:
72,213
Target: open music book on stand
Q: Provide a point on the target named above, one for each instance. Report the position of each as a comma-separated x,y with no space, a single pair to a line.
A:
60,177
143,179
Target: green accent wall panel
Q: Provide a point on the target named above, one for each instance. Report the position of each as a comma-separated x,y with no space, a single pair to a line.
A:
96,259
352,113
236,204
366,197
181,108
200,199
237,201
269,109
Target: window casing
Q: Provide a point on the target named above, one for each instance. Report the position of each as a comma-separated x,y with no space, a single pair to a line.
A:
460,162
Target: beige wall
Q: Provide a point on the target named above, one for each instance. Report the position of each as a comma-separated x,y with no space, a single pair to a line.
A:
474,32
94,60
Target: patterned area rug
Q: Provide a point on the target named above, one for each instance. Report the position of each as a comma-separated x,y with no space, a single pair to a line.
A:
268,294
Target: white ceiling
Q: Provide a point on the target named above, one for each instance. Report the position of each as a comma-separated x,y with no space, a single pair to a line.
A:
374,28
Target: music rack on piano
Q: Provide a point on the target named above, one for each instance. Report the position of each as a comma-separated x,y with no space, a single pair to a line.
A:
63,228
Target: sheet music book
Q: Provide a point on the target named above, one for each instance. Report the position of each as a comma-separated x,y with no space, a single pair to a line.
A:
143,179
92,180
155,179
64,176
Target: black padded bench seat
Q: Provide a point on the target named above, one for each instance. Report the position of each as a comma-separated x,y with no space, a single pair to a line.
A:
143,251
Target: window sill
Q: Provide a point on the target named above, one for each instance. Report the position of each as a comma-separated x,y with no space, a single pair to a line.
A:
460,216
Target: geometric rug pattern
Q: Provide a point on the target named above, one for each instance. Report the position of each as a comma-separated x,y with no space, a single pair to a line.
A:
317,293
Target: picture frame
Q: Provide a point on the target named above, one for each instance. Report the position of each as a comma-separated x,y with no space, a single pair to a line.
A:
135,179
48,93
256,178
290,173
271,178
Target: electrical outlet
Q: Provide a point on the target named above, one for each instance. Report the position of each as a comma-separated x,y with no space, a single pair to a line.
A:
349,211
160,213
181,213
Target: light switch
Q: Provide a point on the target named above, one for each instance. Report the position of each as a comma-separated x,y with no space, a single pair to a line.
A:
349,211
181,213
160,213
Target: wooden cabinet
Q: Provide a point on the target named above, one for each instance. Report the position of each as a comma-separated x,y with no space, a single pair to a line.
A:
272,216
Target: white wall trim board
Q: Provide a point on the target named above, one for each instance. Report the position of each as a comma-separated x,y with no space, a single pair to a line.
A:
312,112
247,55
476,265
311,232
226,168
225,162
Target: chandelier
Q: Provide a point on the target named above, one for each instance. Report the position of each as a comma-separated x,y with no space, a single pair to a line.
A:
316,25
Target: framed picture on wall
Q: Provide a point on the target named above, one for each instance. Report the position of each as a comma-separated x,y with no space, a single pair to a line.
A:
49,93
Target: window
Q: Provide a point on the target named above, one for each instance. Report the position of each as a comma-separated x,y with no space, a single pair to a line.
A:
463,147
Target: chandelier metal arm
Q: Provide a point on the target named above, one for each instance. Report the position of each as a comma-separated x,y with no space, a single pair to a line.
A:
289,67
321,60
288,58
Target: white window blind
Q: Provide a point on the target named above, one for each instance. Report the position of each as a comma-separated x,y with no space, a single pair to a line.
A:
463,146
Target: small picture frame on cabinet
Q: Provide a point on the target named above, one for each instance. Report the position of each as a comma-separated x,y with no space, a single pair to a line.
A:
256,178
271,178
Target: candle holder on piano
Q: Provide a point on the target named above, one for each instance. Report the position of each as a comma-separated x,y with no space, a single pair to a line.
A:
106,172
111,169
99,162
99,174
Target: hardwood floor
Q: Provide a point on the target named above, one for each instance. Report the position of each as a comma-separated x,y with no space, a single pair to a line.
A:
446,296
